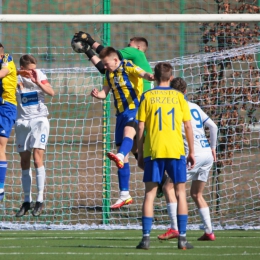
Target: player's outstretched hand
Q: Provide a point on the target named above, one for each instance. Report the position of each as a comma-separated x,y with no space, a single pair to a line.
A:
190,161
94,93
85,37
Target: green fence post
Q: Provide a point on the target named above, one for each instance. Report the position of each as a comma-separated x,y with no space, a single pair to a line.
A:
106,130
182,35
28,33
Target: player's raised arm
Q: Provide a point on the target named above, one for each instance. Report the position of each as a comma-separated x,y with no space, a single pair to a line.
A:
82,42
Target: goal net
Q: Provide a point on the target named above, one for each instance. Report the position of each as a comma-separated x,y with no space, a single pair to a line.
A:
220,62
225,84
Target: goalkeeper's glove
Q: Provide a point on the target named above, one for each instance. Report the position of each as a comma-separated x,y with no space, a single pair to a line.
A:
85,37
79,46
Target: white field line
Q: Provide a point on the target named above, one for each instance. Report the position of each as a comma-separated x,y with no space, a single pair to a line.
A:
67,232
33,232
103,238
133,247
132,253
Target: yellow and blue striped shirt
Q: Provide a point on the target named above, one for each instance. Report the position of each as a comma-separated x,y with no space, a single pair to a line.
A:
8,83
126,85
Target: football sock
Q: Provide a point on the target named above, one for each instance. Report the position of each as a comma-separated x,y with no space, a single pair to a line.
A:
126,146
172,212
182,224
135,155
205,217
40,179
124,177
147,225
120,156
27,183
3,169
124,194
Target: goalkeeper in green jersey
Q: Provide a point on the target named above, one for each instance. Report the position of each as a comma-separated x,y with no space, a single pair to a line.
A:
135,51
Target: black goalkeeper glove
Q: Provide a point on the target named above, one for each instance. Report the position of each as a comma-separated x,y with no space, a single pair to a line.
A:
85,37
79,46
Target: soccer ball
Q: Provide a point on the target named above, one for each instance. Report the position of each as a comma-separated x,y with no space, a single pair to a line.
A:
79,46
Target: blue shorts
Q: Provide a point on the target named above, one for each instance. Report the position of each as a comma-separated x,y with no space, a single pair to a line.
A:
176,169
7,118
122,120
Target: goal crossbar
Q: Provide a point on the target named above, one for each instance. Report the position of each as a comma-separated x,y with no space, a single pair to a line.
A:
138,18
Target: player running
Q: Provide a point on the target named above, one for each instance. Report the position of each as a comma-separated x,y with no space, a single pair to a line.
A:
32,131
205,154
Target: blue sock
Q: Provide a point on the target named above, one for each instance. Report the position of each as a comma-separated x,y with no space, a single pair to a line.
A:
182,223
3,168
147,225
124,177
126,146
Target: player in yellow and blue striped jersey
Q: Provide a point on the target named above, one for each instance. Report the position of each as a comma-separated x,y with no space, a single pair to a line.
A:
125,80
8,83
162,112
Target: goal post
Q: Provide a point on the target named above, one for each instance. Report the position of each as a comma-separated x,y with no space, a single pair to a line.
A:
222,77
129,18
106,133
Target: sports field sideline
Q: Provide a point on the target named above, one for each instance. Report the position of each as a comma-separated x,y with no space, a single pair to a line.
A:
120,244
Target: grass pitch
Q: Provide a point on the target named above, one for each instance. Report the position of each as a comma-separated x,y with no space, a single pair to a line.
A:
120,244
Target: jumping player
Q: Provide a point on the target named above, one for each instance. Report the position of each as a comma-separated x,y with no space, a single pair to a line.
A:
125,80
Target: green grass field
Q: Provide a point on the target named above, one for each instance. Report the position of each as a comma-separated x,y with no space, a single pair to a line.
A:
120,244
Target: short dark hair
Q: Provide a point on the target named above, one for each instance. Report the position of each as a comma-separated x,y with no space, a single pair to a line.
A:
107,51
140,39
1,45
179,84
27,59
163,71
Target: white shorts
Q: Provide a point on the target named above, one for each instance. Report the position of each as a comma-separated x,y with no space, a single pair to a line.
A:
203,164
32,133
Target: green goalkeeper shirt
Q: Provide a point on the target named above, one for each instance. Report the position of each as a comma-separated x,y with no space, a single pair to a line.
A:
138,58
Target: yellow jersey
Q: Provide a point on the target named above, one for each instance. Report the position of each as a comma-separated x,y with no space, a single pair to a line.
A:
126,85
163,110
8,84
